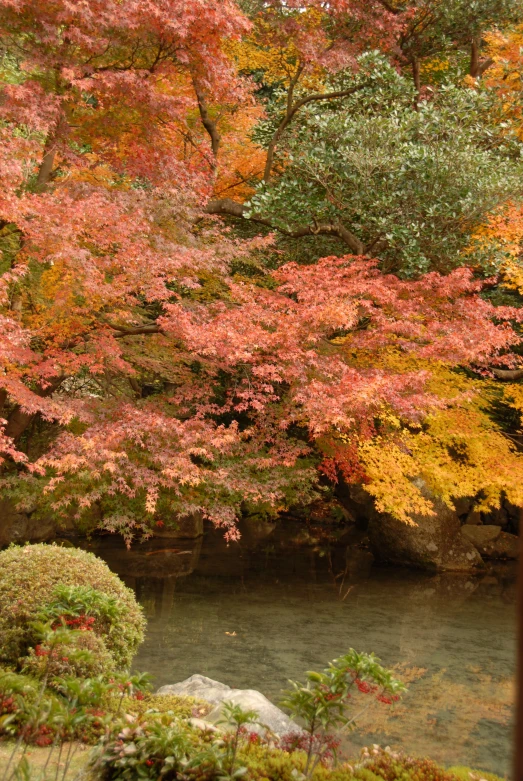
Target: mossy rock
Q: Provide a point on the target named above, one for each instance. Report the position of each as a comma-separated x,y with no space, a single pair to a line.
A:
29,576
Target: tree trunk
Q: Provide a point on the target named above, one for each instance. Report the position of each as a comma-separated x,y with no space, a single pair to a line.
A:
518,760
18,421
416,75
46,166
477,67
474,59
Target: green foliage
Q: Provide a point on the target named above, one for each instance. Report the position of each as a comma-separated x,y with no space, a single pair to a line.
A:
271,765
390,767
75,654
179,707
411,183
322,703
75,602
156,746
237,718
468,774
139,735
38,580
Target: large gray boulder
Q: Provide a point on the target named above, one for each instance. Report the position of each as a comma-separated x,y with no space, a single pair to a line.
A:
491,542
218,693
431,542
479,536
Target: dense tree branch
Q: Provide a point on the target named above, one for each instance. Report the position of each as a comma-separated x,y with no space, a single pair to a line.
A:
19,420
152,328
228,207
46,166
391,8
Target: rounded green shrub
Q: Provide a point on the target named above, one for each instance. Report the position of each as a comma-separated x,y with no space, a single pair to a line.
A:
30,579
84,657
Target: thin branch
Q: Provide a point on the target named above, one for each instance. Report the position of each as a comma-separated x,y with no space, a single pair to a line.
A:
241,180
292,111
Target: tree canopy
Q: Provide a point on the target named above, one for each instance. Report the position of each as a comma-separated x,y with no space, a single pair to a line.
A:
252,248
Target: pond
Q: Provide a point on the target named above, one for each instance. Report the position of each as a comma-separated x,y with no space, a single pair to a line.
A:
255,613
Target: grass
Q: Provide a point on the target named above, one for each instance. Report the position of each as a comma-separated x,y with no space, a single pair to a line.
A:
38,758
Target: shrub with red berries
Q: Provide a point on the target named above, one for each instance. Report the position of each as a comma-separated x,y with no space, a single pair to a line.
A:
323,702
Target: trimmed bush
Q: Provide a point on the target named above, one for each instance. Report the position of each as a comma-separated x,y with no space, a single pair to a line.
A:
401,768
86,656
30,581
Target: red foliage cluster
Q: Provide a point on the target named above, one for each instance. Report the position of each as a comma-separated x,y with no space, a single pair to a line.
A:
321,744
82,623
7,704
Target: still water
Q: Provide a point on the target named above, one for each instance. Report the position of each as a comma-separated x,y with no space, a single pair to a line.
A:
255,613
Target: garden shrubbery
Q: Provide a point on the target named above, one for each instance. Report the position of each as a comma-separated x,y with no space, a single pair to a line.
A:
40,583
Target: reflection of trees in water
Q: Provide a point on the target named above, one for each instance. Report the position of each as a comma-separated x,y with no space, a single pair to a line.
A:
152,568
447,713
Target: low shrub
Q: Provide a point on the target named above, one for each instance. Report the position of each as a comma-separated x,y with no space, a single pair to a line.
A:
85,656
179,707
39,581
324,702
395,767
467,774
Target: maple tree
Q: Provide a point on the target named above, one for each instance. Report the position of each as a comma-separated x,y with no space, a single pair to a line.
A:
155,360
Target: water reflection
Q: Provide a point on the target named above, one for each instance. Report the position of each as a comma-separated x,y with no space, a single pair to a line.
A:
257,613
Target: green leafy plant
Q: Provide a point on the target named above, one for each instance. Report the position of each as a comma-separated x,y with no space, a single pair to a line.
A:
63,652
322,703
234,715
54,583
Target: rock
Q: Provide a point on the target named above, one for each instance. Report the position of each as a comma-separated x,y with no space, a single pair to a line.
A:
200,687
204,726
356,502
480,535
491,542
498,516
473,518
270,717
217,693
463,505
431,542
506,546
21,527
